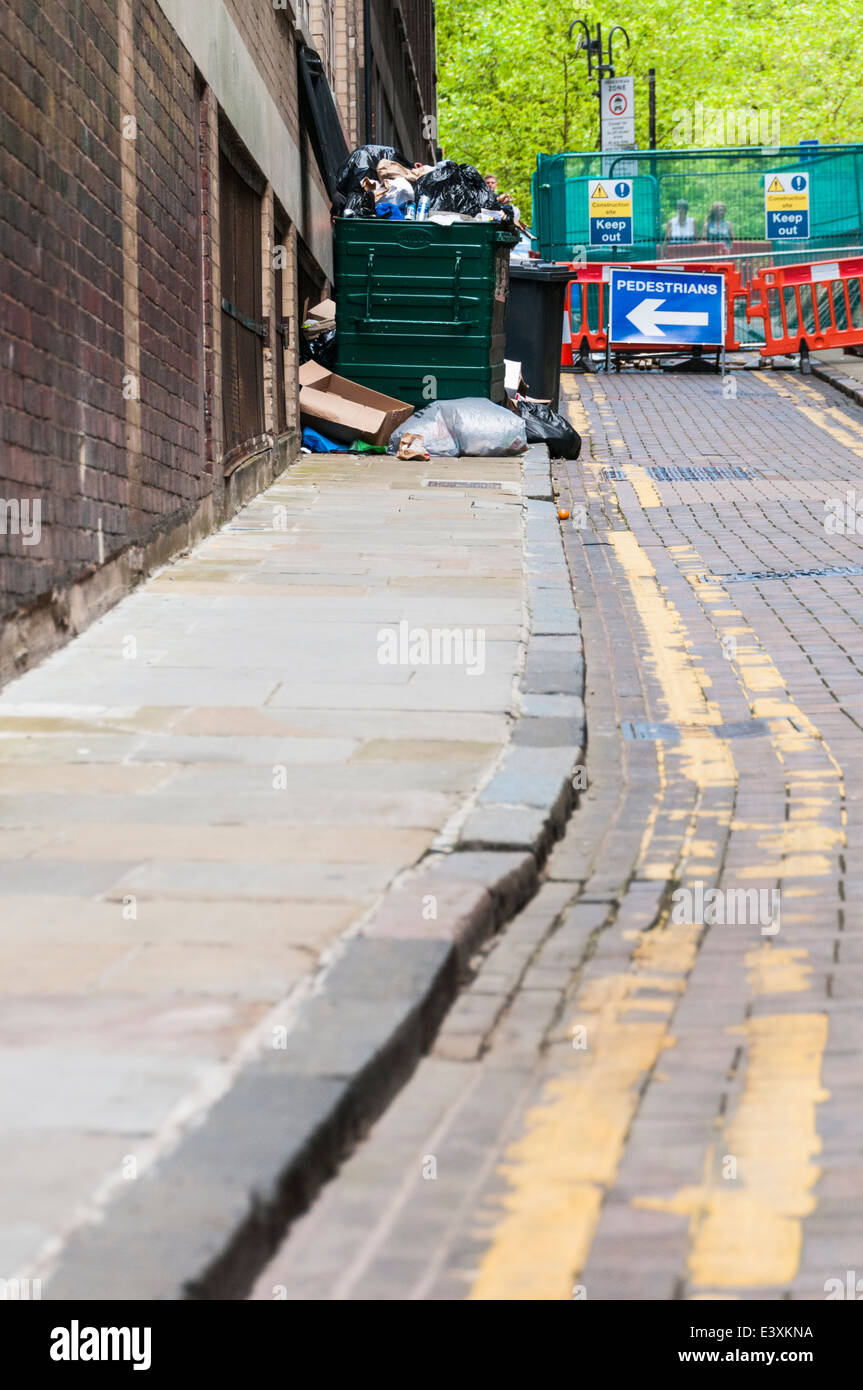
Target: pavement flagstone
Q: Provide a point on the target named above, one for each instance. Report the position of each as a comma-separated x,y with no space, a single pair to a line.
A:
213,786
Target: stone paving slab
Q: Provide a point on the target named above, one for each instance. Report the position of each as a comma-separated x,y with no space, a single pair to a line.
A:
168,758
235,898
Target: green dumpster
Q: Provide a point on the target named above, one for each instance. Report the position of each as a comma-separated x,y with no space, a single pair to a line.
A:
421,307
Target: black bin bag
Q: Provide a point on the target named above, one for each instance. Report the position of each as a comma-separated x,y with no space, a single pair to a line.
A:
546,426
363,163
452,187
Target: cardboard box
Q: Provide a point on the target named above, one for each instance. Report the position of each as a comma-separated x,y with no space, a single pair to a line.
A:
319,319
324,311
344,411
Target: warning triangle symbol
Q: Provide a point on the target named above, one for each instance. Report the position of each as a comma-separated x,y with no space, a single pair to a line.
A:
599,191
776,187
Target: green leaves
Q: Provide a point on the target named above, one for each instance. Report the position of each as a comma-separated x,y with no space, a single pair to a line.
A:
505,93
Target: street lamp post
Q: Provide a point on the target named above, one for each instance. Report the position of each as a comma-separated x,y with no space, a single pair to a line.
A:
598,64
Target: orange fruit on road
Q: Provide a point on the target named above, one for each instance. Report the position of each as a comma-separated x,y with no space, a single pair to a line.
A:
563,513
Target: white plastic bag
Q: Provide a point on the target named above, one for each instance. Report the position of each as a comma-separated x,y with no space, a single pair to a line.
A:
473,427
398,191
431,424
484,430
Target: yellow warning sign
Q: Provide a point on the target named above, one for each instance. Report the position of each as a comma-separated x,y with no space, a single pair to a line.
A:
615,201
609,210
786,205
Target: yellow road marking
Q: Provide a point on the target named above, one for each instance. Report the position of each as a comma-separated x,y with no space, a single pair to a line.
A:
645,489
574,407
749,1234
569,1155
778,970
558,1171
828,418
745,1232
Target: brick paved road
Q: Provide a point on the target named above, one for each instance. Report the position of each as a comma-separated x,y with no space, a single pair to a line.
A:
625,1104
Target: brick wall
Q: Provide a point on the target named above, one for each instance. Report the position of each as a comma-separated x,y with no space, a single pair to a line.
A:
347,69
322,22
112,449
169,269
84,186
61,290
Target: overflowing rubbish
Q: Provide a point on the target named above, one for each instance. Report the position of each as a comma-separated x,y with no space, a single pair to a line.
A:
359,204
472,427
451,338
451,187
543,425
362,164
378,181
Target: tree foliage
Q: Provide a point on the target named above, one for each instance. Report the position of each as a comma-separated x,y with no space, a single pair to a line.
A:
512,86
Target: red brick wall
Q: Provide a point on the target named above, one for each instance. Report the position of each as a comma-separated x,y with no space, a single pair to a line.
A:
65,325
169,267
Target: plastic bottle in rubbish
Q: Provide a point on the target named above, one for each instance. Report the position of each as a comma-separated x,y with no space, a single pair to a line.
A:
410,212
423,208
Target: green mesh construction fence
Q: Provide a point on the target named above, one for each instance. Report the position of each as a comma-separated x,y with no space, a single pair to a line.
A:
702,178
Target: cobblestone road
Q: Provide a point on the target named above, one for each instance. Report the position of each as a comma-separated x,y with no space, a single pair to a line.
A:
625,1104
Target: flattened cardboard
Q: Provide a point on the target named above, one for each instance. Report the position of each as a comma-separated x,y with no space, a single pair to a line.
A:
344,411
324,311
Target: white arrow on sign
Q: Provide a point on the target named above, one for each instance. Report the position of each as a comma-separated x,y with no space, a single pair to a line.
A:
647,318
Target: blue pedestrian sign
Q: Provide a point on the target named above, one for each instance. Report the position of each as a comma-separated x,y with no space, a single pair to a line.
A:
666,307
609,210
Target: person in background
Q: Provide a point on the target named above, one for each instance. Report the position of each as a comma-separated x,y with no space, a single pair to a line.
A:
716,225
502,198
681,227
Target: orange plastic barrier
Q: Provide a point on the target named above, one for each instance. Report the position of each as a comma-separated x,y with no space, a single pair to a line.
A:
582,337
815,305
585,328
